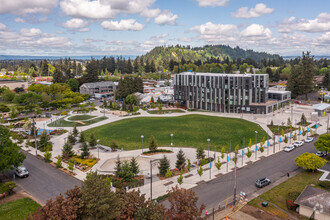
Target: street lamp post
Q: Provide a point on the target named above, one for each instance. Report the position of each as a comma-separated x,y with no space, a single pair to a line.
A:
208,153
35,136
142,142
256,143
152,162
172,141
98,149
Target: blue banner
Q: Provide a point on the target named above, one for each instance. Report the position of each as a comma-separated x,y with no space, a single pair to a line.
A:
280,139
227,158
268,143
211,165
243,152
317,125
299,132
308,129
257,148
291,135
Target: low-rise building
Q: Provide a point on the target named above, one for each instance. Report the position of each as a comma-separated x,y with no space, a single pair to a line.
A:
12,84
102,89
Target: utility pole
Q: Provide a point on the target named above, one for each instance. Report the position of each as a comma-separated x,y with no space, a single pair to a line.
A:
235,184
35,136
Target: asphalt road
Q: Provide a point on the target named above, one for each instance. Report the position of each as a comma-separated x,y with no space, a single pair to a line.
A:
44,181
273,167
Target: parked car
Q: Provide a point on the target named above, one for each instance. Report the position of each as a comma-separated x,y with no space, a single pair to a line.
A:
309,139
289,148
21,172
298,143
260,183
321,153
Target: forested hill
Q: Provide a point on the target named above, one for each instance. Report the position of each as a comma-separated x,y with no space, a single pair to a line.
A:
176,53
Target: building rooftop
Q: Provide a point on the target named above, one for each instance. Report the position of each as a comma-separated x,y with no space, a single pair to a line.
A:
278,91
99,84
321,106
219,74
314,197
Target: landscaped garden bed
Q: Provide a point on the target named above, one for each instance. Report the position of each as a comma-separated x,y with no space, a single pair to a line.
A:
63,123
165,111
120,183
158,151
81,117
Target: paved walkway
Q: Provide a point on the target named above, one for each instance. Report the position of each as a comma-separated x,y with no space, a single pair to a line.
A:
191,179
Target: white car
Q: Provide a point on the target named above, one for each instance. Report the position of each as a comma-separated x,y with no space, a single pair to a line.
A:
298,143
309,139
289,148
21,171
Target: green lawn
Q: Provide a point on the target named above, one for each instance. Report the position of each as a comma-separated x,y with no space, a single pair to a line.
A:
165,111
189,131
81,117
18,209
270,208
62,123
278,194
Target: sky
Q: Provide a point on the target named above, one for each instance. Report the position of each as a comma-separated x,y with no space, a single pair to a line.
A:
134,27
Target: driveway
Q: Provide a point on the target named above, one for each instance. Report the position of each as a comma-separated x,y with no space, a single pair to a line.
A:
44,181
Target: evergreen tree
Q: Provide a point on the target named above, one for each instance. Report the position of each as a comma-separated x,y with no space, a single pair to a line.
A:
58,76
84,151
113,145
72,139
303,120
152,143
181,160
92,140
82,138
118,167
75,131
134,166
200,153
67,151
92,69
44,140
164,164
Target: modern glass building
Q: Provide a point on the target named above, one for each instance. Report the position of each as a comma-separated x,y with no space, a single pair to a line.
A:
228,93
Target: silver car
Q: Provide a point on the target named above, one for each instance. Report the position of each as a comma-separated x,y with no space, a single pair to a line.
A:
298,143
21,172
289,148
309,139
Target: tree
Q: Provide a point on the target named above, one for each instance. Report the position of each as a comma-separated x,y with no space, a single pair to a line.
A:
58,76
218,164
250,143
72,139
118,166
200,171
183,205
59,162
98,201
92,69
222,152
303,120
181,160
92,140
301,77
309,161
323,143
9,152
168,173
67,207
44,140
82,138
67,151
180,178
134,166
47,156
113,145
249,153
75,131
74,84
164,164
152,143
84,150
189,165
289,123
200,153
160,107
126,172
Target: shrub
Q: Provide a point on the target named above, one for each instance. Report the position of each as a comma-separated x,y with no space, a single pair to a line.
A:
152,144
7,187
249,153
47,156
290,204
324,184
59,162
293,195
262,149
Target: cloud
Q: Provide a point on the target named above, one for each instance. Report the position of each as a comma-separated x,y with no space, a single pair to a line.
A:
150,13
166,17
28,7
256,32
185,39
122,25
259,10
86,9
30,32
320,24
216,32
158,37
212,3
91,40
2,27
120,43
19,20
75,23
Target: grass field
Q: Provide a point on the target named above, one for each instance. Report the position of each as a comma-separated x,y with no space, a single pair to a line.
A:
81,117
189,131
270,208
18,209
63,123
278,194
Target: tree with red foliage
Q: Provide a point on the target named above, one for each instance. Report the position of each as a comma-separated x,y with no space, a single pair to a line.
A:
183,204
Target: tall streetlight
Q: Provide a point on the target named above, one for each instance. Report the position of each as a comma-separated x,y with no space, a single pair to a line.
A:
256,143
98,149
152,162
142,142
172,141
208,153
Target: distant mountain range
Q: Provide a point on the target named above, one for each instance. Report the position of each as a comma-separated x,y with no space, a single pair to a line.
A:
14,57
176,53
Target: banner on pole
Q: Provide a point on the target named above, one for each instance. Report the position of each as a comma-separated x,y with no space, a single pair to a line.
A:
227,158
243,152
